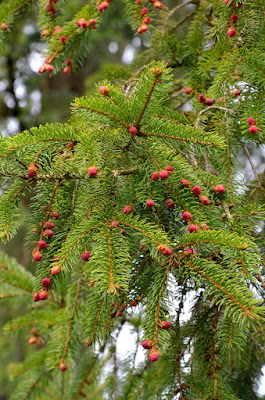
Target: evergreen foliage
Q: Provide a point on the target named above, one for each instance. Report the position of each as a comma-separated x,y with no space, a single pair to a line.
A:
111,258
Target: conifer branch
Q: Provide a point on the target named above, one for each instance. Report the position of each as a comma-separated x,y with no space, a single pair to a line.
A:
21,162
212,355
174,394
55,187
32,387
39,141
90,340
14,283
177,329
129,171
73,198
148,98
60,263
177,8
260,279
148,151
9,295
177,197
41,151
46,390
181,354
228,73
182,139
157,315
139,230
83,383
247,311
71,319
110,260
51,58
105,114
229,158
245,371
21,6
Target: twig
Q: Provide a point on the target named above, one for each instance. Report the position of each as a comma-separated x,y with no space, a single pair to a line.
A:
227,110
73,198
129,171
171,12
21,6
180,22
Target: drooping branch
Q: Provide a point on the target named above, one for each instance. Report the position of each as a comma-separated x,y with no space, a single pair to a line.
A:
71,319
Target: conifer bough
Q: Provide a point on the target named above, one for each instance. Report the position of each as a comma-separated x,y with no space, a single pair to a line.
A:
131,214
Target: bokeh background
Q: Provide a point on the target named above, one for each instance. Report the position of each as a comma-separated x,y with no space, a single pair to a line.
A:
29,99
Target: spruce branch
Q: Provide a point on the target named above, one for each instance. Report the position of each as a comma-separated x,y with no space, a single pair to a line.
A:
148,151
32,387
91,339
213,355
39,141
177,331
123,172
21,6
85,379
103,113
158,306
247,311
148,98
71,319
229,157
110,261
73,198
22,163
182,139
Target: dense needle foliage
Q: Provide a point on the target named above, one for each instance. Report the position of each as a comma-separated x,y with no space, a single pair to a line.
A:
137,206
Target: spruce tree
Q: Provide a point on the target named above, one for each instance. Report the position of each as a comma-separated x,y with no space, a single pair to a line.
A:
137,206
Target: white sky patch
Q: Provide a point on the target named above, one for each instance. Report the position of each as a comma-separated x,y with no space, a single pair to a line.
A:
136,41
113,47
126,344
29,30
20,89
261,390
12,125
22,103
9,100
35,97
3,85
128,54
35,61
187,106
